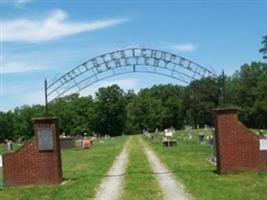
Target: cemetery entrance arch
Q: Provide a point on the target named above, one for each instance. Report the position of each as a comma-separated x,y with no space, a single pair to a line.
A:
237,148
250,155
122,62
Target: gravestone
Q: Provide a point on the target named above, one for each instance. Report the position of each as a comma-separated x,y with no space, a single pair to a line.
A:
201,138
9,145
214,145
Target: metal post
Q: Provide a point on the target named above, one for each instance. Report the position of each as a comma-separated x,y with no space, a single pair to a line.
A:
46,106
1,172
223,88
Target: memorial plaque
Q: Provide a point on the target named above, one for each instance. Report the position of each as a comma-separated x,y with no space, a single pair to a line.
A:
263,144
45,139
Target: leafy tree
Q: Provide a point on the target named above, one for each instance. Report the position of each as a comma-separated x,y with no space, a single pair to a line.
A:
110,111
264,48
76,114
6,125
144,113
158,107
23,126
250,93
200,98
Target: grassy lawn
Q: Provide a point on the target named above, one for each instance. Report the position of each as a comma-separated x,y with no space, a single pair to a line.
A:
3,148
188,163
139,182
257,131
82,171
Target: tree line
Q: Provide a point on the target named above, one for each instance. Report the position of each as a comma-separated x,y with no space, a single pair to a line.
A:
114,111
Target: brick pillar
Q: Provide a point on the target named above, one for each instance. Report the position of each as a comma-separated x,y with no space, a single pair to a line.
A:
32,164
237,147
225,120
52,163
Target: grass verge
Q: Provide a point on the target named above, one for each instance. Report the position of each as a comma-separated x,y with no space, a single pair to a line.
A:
139,182
188,162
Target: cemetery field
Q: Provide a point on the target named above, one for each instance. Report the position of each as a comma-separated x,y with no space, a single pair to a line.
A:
3,148
188,163
82,171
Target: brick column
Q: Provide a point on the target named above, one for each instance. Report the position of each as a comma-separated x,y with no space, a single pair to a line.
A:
225,119
237,147
31,166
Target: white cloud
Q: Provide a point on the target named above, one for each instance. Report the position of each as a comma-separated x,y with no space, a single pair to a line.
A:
184,47
34,94
19,2
18,67
53,27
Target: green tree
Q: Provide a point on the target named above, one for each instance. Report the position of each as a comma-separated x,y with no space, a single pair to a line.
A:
6,125
158,107
250,93
110,111
76,114
264,48
23,126
144,113
200,98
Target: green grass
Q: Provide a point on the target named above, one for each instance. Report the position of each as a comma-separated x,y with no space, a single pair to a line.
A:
139,182
257,131
188,163
3,148
82,170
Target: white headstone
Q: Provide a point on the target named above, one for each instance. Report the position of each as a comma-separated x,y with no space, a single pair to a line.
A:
263,144
1,162
169,134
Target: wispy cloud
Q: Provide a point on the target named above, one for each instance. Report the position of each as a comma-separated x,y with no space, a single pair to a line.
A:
26,94
20,2
188,47
54,26
18,67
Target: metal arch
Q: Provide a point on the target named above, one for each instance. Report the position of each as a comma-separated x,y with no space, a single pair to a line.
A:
125,61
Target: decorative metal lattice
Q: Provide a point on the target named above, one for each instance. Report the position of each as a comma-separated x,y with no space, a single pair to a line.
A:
125,61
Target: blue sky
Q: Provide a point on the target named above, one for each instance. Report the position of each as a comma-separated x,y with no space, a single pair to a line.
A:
42,39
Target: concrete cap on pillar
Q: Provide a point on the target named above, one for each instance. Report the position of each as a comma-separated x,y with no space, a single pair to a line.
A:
41,120
225,110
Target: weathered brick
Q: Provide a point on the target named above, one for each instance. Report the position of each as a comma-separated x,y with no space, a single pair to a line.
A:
237,147
29,166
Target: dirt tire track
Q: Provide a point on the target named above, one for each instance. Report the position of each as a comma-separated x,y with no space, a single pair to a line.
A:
111,185
172,189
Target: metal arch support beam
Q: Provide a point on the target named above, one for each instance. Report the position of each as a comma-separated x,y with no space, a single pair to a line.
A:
98,68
